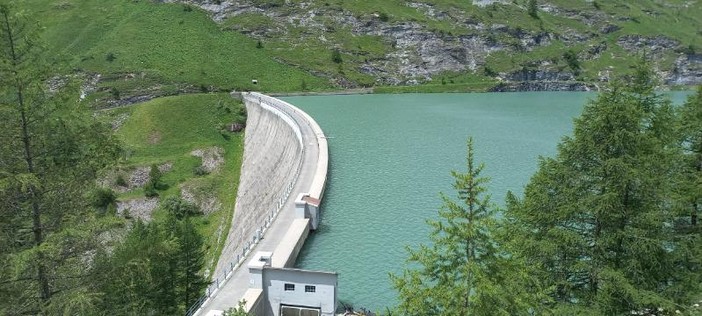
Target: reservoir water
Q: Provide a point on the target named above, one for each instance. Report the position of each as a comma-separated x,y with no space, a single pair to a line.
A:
391,155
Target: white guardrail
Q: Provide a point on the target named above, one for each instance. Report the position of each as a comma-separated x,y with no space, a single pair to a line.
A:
287,113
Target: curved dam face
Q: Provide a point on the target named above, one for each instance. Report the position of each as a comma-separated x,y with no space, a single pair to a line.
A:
283,176
273,156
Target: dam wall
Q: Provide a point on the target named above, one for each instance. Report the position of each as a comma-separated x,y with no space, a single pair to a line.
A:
283,175
273,154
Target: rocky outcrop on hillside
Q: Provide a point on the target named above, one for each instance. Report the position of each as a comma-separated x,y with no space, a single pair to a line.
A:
418,52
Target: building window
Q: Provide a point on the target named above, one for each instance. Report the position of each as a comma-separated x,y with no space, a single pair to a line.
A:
310,289
289,287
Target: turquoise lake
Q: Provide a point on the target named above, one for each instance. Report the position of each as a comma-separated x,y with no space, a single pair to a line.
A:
391,155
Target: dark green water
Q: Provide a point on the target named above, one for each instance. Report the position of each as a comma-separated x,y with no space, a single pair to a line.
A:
391,156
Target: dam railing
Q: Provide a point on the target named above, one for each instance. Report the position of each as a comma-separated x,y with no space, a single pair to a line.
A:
286,112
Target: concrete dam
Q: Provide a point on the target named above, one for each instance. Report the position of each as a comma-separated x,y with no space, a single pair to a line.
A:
283,176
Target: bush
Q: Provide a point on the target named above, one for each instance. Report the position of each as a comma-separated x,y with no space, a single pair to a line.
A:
336,56
384,17
533,9
571,58
489,72
120,181
259,45
150,190
110,57
102,198
115,93
179,208
200,171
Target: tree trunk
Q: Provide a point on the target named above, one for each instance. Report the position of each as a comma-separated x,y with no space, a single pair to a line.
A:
34,195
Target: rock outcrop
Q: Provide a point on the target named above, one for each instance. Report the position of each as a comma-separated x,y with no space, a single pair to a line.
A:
418,50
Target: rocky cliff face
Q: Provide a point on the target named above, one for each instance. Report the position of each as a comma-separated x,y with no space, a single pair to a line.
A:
437,41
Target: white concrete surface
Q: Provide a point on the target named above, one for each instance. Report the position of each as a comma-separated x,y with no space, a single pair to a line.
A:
275,170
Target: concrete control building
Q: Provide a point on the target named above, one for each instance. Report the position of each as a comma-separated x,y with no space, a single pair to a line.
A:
291,292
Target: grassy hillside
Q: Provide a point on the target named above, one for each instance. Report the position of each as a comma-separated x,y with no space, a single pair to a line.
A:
424,41
142,45
154,49
166,131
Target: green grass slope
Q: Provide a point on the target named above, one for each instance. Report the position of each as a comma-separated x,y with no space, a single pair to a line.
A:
161,43
142,47
167,130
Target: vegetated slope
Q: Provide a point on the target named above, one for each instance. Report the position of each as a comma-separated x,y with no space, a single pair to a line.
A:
171,132
464,42
147,49
131,51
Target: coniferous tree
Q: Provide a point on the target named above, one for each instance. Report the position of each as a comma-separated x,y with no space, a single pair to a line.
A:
464,272
690,132
155,270
51,150
191,256
598,216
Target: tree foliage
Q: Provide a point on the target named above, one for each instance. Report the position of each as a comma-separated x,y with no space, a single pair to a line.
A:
598,217
52,149
156,270
463,272
533,9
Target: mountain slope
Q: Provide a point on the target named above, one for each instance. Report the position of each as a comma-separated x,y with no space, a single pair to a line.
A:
402,42
134,50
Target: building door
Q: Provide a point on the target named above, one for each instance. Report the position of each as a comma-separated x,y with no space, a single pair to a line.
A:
286,310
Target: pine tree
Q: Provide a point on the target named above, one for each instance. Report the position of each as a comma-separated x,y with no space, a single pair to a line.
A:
598,216
191,255
51,150
464,272
690,132
155,270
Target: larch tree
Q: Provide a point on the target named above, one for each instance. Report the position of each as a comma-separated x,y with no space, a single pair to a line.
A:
690,132
463,271
51,150
598,217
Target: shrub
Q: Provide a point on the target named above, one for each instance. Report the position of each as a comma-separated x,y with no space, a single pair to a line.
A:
110,57
115,93
336,56
489,71
154,184
571,58
200,171
533,9
259,45
384,17
179,208
120,181
102,198
150,190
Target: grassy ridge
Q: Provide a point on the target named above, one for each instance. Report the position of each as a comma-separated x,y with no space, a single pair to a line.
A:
167,130
169,43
